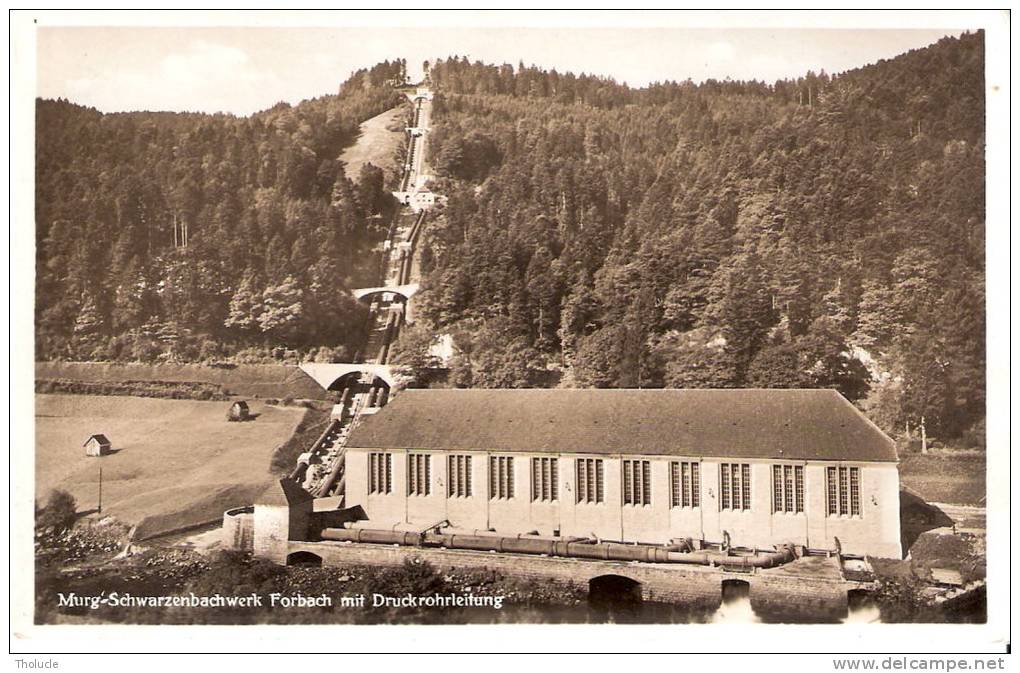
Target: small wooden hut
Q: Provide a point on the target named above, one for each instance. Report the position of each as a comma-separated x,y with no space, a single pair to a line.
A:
238,411
97,445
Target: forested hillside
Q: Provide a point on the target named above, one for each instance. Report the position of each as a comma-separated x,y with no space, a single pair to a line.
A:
193,236
827,231
824,232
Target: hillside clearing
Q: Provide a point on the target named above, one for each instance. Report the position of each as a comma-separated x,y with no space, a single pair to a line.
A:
380,137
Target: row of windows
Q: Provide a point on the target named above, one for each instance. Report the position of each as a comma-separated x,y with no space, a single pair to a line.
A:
843,487
459,476
419,474
685,484
843,490
735,486
380,472
637,482
788,488
501,478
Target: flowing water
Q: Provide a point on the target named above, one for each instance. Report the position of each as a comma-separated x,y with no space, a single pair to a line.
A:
736,606
862,609
622,608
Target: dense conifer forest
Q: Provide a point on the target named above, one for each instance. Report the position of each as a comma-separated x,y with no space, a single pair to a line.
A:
194,236
822,232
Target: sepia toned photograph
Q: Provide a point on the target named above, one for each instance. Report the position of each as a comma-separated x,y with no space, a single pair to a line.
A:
627,319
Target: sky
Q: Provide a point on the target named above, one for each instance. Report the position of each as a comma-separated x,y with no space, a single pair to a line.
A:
242,70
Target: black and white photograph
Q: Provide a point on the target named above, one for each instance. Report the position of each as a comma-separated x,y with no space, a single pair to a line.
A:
602,320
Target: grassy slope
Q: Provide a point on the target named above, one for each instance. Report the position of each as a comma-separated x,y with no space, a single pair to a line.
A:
178,461
945,478
377,144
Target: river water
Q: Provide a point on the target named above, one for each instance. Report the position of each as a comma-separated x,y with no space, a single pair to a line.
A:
735,608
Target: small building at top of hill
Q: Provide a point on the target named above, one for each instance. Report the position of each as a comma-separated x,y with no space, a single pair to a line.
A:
97,445
239,411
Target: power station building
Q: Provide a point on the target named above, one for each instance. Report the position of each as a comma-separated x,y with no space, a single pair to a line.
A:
757,467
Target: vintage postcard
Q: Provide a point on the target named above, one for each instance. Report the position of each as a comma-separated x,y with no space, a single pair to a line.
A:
402,319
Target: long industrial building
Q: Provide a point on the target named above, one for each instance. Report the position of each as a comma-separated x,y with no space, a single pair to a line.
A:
756,467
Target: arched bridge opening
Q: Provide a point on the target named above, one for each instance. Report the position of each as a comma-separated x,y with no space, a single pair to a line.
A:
390,298
388,293
332,376
358,380
382,295
735,591
615,595
305,559
375,388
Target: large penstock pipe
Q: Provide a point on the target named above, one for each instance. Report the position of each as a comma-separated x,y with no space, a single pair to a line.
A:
401,527
327,484
371,535
604,551
449,530
298,473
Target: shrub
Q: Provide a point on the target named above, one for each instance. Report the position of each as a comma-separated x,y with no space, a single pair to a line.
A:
59,513
416,576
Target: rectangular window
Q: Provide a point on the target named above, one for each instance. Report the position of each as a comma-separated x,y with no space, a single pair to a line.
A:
695,485
683,486
788,488
501,477
724,486
674,485
419,474
458,476
855,491
777,488
798,471
590,480
830,491
380,473
735,486
544,473
646,482
637,482
745,486
843,486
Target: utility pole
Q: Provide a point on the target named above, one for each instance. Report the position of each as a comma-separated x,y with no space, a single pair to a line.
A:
99,509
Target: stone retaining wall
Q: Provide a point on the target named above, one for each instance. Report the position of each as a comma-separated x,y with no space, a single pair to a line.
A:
689,585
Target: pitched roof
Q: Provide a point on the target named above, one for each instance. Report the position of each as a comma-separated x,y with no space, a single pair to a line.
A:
752,423
99,438
283,492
